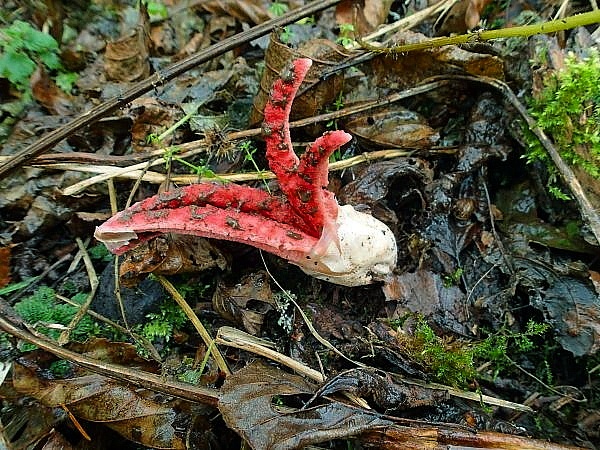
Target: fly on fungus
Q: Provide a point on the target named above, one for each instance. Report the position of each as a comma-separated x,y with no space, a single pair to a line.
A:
306,225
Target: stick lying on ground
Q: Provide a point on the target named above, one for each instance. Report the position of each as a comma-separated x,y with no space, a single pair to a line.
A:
306,225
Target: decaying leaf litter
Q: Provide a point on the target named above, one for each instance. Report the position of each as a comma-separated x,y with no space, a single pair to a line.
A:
494,292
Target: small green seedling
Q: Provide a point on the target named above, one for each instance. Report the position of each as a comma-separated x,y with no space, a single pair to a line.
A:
249,150
278,8
346,36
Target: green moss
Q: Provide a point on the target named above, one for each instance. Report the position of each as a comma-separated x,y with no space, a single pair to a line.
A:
454,362
161,325
568,109
60,368
42,310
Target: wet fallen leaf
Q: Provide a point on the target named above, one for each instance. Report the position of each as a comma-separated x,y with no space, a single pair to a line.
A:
404,71
520,218
132,413
246,302
145,298
425,293
168,255
371,185
395,127
366,15
58,442
24,426
247,406
573,308
127,58
322,92
386,394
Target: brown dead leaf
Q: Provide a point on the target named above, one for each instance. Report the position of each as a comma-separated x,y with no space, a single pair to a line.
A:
57,442
24,425
247,407
462,17
424,292
386,394
366,15
48,94
395,127
374,181
127,58
573,307
404,71
168,255
4,266
325,55
130,412
246,302
150,116
473,12
244,10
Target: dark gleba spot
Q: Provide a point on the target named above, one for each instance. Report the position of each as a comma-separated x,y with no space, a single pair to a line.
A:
304,196
157,214
294,235
233,223
125,216
288,75
169,196
195,213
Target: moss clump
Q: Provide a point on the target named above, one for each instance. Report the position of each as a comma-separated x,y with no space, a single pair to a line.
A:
568,109
42,310
454,362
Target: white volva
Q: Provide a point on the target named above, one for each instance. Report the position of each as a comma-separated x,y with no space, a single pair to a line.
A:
364,251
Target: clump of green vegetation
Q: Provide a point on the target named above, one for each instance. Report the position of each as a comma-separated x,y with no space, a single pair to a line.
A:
346,36
568,109
160,325
454,362
99,252
22,48
43,311
60,368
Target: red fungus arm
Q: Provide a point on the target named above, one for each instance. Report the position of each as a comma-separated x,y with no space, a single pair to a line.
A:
230,212
303,181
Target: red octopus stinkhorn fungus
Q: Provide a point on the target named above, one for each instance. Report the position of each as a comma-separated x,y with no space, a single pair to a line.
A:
306,225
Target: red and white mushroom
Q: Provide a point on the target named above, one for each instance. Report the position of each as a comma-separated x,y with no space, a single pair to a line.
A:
305,225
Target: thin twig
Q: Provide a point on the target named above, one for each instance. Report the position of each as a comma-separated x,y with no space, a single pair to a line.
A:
204,334
233,337
123,374
93,278
552,26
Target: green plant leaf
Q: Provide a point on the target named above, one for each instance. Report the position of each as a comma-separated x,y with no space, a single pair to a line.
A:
17,68
50,60
66,80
